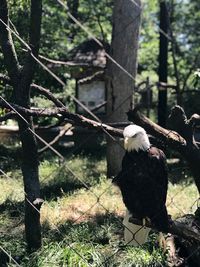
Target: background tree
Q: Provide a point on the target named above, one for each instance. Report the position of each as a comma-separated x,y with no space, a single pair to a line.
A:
184,45
58,36
163,64
21,77
120,85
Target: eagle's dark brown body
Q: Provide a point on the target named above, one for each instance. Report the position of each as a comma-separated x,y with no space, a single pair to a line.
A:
143,183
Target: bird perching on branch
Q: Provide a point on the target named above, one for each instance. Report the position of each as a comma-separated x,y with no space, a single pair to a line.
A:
143,182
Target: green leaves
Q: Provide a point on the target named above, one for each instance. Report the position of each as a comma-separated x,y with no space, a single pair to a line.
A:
196,79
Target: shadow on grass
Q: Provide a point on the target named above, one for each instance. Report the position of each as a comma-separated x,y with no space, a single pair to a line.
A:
97,152
99,229
48,192
10,157
53,190
13,208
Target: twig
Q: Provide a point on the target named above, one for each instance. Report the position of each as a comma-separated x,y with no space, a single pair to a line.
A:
48,94
65,129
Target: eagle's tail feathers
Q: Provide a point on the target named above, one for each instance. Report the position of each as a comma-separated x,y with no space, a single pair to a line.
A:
161,221
134,235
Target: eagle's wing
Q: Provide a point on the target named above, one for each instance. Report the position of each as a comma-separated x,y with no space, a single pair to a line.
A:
127,166
158,173
143,183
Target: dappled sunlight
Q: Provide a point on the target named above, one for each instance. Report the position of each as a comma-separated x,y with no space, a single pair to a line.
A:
86,214
182,199
84,204
11,188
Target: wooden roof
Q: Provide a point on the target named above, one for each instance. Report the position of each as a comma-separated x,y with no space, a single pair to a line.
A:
89,54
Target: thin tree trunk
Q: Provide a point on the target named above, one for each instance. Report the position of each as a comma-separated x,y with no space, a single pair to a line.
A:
31,185
163,65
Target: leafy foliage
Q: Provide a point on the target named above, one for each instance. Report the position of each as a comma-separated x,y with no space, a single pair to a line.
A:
185,28
60,34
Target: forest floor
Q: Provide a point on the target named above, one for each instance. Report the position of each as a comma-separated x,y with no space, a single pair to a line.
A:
82,214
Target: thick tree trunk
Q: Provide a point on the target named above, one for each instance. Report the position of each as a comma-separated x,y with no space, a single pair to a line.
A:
21,78
120,85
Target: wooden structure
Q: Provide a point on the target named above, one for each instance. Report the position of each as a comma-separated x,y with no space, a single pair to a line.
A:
88,61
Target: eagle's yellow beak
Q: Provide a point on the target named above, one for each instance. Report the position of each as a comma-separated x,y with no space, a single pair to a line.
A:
126,141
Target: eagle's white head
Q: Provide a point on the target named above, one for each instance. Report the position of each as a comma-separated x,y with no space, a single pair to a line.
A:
135,138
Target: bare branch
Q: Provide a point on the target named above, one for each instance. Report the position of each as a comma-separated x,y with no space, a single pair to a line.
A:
100,27
7,45
62,132
48,94
44,91
60,62
75,118
98,106
168,136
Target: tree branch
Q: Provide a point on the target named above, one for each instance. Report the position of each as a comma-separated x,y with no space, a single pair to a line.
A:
75,118
43,91
8,49
62,132
175,228
100,27
65,63
170,137
48,94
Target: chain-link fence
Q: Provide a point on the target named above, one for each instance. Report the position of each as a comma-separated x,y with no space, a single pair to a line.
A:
97,209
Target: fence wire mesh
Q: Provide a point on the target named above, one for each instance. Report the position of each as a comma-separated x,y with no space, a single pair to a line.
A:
95,208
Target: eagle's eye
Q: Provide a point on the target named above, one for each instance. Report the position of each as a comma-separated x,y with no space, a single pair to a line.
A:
135,135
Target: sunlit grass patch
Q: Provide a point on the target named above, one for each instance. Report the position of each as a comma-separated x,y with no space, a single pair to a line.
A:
62,254
11,186
143,257
81,217
73,174
182,199
84,204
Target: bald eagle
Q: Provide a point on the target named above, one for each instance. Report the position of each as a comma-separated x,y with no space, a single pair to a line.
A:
143,183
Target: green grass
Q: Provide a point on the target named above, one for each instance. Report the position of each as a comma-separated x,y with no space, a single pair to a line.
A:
81,217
